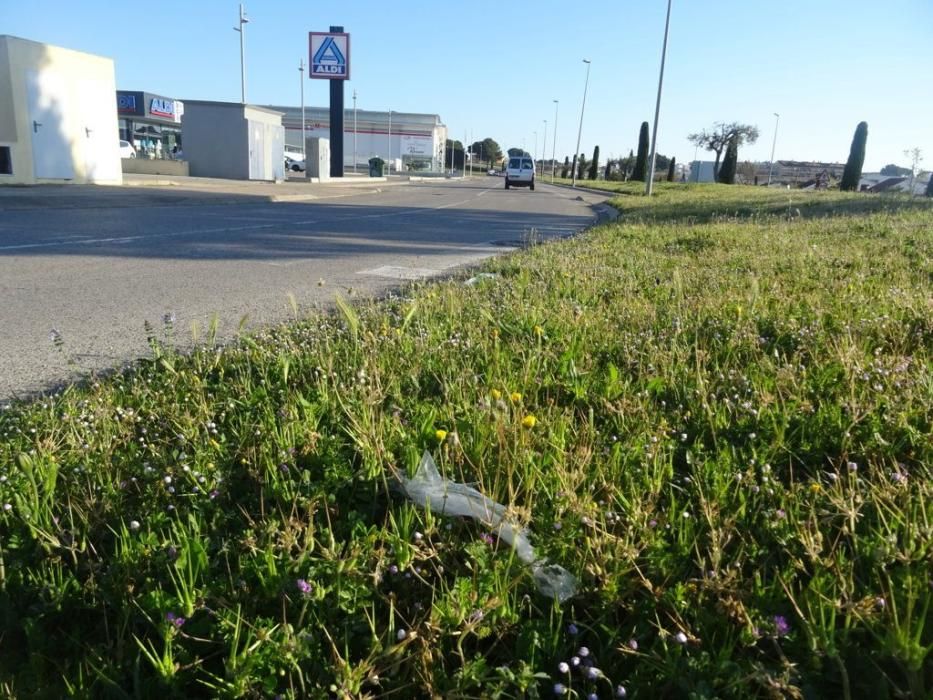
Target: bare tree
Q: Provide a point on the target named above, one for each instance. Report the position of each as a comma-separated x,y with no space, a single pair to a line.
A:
916,157
718,138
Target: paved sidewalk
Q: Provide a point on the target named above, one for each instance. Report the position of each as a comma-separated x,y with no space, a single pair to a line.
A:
161,190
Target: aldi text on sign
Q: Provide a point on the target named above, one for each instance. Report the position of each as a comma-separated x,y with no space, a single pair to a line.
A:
330,55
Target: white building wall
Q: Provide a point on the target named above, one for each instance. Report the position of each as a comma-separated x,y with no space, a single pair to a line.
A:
56,114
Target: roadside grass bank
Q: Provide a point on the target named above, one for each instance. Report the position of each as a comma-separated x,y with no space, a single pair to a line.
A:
715,413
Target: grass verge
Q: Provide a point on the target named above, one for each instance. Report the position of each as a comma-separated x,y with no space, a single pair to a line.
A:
715,413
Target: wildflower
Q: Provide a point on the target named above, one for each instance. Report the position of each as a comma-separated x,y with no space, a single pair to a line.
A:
167,479
880,603
303,586
174,619
529,421
559,689
583,652
574,661
572,630
495,394
515,397
476,616
7,507
592,696
393,569
563,667
815,488
539,330
680,638
214,494
487,538
621,692
852,466
781,626
134,524
633,644
401,634
593,673
440,434
780,513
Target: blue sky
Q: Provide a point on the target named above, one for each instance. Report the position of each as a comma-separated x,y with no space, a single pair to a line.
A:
493,68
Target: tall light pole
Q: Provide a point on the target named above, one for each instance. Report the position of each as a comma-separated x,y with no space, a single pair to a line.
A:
242,31
389,167
657,107
554,140
544,148
301,73
534,153
354,131
777,118
573,182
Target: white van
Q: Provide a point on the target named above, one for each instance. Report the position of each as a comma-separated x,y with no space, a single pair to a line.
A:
520,172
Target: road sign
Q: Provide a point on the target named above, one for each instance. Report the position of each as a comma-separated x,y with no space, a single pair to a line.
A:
330,55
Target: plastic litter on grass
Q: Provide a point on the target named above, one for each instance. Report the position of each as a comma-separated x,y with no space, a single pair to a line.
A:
428,489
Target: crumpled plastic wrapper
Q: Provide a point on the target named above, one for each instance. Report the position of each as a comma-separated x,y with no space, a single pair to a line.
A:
428,489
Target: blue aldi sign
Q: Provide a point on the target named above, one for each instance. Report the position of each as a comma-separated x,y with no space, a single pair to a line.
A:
330,55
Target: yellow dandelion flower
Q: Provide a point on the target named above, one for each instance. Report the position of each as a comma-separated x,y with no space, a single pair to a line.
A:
440,434
515,397
815,487
539,330
529,422
495,394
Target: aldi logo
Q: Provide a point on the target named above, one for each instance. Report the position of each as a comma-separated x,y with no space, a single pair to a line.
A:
330,55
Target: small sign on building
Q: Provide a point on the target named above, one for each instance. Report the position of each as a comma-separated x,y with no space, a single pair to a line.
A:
330,55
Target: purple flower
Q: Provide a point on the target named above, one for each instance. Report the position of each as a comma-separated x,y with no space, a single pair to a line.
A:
593,673
572,630
563,667
583,652
488,539
303,586
176,620
476,616
575,661
592,696
560,689
781,626
621,692
214,494
633,644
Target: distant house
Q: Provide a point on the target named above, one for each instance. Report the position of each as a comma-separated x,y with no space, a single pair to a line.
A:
876,182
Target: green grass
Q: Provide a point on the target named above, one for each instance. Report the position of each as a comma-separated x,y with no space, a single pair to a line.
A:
732,454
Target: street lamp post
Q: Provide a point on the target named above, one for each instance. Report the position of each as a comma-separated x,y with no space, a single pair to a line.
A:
554,140
242,31
389,167
354,131
535,152
657,107
777,118
544,148
301,73
580,130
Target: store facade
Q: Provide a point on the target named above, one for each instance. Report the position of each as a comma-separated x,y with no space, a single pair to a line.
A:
152,123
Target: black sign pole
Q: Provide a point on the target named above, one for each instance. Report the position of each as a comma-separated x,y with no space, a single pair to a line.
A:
336,123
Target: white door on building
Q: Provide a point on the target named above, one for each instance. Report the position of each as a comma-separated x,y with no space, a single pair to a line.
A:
100,132
257,154
47,94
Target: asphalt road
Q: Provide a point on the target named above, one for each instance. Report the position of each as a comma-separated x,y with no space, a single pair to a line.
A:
97,275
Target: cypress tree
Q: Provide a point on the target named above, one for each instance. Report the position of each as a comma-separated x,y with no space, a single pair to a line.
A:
608,171
853,170
582,166
729,163
594,166
670,170
929,192
641,162
565,171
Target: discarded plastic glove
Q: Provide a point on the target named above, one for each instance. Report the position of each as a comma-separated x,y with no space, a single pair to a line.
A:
428,489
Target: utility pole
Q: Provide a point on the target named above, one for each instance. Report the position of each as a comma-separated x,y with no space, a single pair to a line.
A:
554,140
544,148
777,118
657,108
242,30
354,131
573,182
301,73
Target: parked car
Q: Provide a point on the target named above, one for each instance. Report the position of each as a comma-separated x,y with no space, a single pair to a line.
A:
126,149
491,171
520,172
294,165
